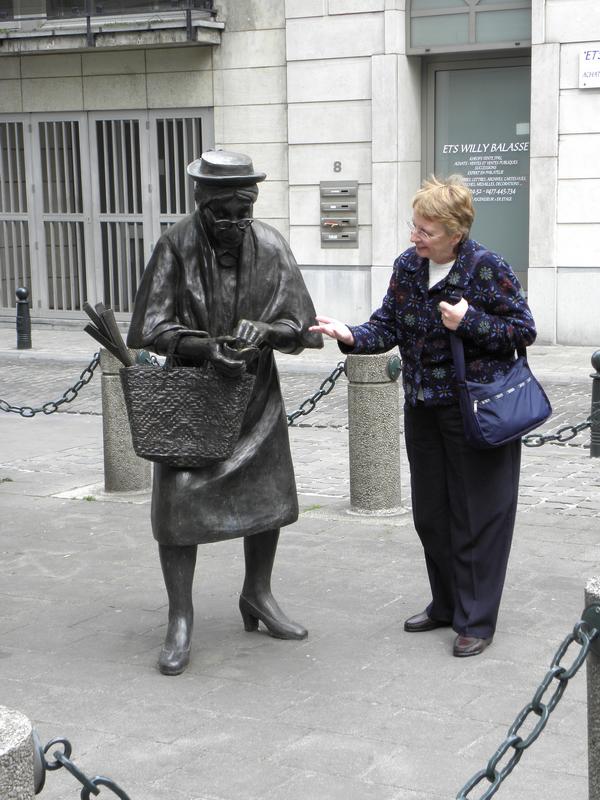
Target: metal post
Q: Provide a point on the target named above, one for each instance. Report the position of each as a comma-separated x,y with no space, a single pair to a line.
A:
89,36
123,470
23,319
595,412
374,433
592,595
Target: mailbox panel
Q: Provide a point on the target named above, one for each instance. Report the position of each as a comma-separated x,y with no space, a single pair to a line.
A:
338,213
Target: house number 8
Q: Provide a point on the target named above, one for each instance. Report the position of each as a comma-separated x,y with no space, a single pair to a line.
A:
337,166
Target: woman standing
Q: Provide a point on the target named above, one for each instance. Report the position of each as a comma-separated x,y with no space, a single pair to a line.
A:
463,500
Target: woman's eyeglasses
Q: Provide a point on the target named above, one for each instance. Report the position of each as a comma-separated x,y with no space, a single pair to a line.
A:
422,234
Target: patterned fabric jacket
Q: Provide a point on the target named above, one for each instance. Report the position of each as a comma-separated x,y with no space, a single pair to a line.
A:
497,321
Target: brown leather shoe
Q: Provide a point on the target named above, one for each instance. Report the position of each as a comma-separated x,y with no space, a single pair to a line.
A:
422,622
470,645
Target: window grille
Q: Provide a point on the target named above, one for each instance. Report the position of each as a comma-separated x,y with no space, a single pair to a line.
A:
56,9
179,141
121,211
62,191
15,263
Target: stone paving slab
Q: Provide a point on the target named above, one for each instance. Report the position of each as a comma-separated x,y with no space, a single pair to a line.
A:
348,711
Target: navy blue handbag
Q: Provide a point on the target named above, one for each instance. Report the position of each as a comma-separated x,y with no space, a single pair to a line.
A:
505,409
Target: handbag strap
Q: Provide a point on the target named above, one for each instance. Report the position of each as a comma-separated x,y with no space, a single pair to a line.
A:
456,343
458,356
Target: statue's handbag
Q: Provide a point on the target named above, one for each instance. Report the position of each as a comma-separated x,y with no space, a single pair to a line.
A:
505,409
185,417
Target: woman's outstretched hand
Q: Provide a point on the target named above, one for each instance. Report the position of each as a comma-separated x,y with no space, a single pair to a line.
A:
335,329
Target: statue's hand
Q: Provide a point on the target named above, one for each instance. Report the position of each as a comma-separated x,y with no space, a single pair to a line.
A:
252,332
199,348
232,361
228,354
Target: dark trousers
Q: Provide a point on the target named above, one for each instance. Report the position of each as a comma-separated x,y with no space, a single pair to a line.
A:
464,504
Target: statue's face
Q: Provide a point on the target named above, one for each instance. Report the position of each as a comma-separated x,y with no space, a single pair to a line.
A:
226,219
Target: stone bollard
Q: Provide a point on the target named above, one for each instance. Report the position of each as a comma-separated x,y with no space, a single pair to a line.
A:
374,433
16,756
592,595
595,411
123,470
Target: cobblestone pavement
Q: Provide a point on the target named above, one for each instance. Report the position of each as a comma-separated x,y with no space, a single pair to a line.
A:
557,477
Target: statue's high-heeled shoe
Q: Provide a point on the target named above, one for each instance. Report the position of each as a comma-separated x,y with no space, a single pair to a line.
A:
174,656
280,627
173,661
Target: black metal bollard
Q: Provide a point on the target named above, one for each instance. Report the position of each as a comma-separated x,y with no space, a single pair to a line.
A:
23,320
595,413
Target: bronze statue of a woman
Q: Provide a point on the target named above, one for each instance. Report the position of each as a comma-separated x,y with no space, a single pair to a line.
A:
219,272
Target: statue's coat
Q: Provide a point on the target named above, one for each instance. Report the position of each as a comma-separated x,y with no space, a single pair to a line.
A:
183,286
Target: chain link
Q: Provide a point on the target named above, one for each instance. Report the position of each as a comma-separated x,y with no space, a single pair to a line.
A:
583,634
310,403
53,405
63,759
562,435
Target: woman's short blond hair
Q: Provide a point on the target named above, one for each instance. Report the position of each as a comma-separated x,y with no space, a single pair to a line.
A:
449,201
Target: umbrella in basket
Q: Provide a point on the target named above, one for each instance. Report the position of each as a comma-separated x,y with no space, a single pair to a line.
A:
106,332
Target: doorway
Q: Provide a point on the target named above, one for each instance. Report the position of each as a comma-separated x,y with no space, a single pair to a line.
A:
478,126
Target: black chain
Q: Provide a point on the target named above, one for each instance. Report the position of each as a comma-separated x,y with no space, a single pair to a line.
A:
584,633
562,435
310,403
63,759
54,405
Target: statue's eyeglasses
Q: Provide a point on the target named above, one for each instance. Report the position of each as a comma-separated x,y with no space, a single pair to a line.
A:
227,224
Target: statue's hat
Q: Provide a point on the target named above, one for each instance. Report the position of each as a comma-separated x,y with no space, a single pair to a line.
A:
224,168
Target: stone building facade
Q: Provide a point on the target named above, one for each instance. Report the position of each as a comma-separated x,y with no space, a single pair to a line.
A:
363,97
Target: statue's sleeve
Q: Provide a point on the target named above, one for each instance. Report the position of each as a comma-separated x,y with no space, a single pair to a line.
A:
290,310
155,306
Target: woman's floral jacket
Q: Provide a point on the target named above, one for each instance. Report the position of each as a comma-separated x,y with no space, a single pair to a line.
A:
497,322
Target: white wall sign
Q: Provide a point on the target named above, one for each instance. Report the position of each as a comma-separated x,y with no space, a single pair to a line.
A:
589,66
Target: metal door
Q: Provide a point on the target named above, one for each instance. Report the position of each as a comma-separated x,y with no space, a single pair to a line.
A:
62,203
140,188
122,210
84,197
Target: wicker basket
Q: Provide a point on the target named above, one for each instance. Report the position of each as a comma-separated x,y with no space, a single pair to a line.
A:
186,417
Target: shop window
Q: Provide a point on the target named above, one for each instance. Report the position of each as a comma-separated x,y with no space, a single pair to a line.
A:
443,26
17,9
